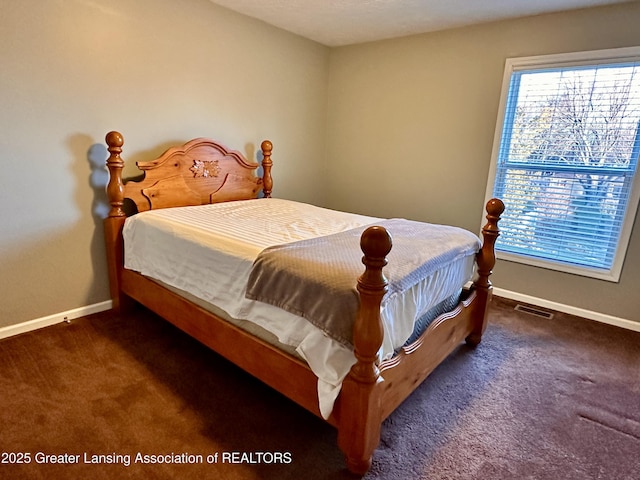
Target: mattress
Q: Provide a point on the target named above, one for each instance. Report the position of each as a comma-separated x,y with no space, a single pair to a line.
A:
209,250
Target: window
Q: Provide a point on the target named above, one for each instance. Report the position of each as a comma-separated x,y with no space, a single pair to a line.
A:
565,159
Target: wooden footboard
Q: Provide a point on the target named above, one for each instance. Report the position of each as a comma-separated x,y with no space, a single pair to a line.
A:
203,171
372,391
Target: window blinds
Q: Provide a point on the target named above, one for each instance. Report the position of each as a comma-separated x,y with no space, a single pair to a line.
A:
566,163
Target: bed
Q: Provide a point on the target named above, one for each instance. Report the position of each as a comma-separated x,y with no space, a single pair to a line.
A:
204,181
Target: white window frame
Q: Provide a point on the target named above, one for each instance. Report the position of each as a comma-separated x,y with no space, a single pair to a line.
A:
599,57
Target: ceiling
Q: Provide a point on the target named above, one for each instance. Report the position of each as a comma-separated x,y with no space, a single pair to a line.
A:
344,22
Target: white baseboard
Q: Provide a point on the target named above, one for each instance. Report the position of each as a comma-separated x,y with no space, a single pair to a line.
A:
560,307
12,330
30,325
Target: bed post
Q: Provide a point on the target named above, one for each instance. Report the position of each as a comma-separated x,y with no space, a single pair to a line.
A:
267,181
360,417
115,219
486,259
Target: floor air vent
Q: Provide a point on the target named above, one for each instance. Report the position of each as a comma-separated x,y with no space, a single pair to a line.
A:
533,311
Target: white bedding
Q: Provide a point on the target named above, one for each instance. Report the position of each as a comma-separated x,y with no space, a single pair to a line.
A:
209,250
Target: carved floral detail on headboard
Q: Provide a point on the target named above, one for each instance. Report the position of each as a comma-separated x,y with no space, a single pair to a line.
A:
205,168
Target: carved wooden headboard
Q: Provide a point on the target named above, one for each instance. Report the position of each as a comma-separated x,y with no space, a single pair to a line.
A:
199,172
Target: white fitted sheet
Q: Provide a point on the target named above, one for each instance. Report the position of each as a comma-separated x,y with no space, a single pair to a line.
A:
209,250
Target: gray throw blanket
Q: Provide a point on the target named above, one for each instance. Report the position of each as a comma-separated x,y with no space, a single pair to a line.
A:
316,278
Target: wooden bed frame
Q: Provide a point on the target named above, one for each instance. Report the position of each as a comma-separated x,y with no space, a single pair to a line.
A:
203,171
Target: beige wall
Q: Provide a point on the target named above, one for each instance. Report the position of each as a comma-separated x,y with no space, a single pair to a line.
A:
411,127
159,71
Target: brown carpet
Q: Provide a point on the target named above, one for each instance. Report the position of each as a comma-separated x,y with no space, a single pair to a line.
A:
538,399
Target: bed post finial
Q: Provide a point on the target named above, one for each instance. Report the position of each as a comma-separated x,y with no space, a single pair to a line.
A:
486,259
115,220
359,429
490,233
267,181
372,285
115,164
